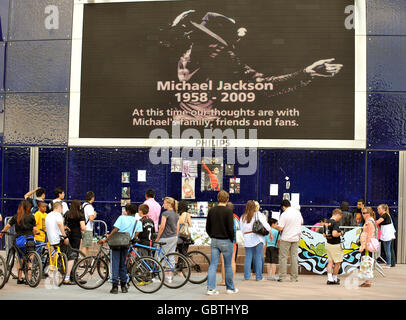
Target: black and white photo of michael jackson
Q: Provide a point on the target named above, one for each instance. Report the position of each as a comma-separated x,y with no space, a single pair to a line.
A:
208,50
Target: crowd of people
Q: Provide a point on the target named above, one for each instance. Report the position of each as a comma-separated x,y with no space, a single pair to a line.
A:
73,228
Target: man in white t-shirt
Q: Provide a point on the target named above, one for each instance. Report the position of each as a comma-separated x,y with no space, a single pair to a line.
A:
57,236
90,216
290,224
59,196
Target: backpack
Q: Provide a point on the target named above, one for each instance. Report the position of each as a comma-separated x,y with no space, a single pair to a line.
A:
82,211
34,207
148,230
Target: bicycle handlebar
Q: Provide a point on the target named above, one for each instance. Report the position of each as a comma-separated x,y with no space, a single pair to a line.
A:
153,242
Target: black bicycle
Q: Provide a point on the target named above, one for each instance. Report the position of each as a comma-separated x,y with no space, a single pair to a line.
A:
3,272
31,263
145,273
199,262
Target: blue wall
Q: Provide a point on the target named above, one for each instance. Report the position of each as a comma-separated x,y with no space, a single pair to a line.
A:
34,100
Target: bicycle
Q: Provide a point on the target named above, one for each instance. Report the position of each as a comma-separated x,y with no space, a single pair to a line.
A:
3,272
199,263
31,262
178,269
147,272
84,270
56,265
45,258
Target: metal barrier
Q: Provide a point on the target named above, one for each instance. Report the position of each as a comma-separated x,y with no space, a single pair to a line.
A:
8,238
100,228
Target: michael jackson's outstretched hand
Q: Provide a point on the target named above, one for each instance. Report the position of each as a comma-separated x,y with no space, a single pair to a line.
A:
323,68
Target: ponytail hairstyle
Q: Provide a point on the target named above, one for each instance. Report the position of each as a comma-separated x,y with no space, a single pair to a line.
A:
172,202
24,209
385,207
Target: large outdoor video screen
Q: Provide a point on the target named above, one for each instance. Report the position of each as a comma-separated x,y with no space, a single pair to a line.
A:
283,67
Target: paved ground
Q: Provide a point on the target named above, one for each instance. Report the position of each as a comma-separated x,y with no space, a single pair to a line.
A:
309,287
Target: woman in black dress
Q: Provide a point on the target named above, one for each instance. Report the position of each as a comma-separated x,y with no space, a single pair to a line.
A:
75,221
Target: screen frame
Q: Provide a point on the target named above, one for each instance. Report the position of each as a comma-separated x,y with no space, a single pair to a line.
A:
360,96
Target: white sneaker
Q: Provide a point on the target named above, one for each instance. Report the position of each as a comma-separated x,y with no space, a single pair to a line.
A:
212,292
232,291
169,280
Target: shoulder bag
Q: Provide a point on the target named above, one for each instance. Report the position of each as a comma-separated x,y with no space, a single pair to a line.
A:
239,236
184,230
121,240
258,227
373,244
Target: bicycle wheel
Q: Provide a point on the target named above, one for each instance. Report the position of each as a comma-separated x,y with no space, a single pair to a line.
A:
10,262
199,266
177,270
3,272
32,269
147,274
130,262
62,267
80,255
90,273
55,276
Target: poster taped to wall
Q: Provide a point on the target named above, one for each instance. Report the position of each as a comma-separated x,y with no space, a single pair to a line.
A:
176,164
200,209
212,174
189,168
125,177
188,188
235,185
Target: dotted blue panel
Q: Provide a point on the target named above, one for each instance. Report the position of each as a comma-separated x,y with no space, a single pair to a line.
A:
383,176
249,187
52,169
4,10
10,207
16,174
36,119
322,177
100,170
38,66
386,63
40,19
311,215
386,17
2,65
1,118
386,121
1,174
108,212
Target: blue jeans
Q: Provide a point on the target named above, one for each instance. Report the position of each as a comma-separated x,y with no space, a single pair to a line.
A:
388,252
256,254
224,246
118,266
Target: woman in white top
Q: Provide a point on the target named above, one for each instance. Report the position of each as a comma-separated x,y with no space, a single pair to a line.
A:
254,243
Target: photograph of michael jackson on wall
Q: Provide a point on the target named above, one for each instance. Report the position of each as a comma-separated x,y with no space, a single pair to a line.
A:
285,68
